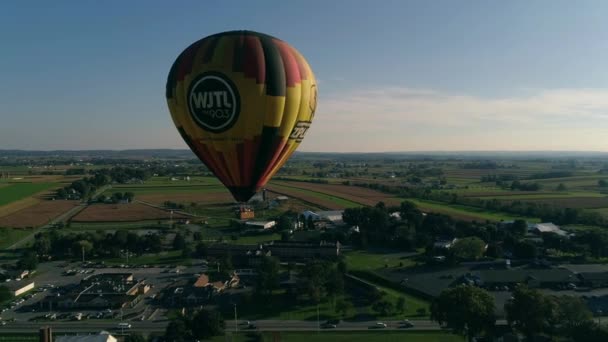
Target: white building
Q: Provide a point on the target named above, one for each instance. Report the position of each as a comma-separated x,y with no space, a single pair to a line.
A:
549,227
18,288
333,216
260,224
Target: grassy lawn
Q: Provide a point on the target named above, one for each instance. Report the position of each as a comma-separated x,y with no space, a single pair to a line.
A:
17,191
78,226
602,211
162,258
368,261
8,236
8,337
253,239
351,336
464,211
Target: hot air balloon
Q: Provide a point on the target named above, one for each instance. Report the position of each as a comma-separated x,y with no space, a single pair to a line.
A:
243,102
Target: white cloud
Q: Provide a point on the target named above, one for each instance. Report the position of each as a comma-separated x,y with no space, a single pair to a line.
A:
399,119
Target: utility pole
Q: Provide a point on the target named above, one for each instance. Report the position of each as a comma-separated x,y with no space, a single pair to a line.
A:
236,324
318,321
82,253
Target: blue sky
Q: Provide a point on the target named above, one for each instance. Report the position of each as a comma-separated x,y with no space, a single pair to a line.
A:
393,75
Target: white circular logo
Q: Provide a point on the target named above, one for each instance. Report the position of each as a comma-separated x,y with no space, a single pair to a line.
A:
214,102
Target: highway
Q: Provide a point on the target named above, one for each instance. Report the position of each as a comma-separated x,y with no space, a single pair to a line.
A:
159,326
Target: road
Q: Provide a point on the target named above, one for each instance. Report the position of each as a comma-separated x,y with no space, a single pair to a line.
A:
265,325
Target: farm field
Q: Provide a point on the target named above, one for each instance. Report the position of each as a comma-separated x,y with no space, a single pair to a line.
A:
221,196
463,212
122,213
37,215
8,236
316,198
357,195
17,191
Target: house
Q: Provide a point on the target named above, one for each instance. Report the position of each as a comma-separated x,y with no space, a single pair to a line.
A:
18,288
201,281
103,336
333,216
311,214
261,225
540,228
444,243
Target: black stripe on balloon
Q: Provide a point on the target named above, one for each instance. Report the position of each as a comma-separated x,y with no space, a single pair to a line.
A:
208,54
275,72
266,150
237,55
242,193
186,138
172,76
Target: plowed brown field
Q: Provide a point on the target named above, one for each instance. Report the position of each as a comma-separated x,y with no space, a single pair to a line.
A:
37,215
186,198
123,213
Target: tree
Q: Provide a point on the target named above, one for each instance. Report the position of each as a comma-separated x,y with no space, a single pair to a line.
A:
530,311
344,307
466,309
400,305
561,187
186,251
524,249
129,196
135,338
383,307
206,324
469,248
519,227
285,223
589,331
602,183
179,242
29,261
176,331
572,312
5,294
268,275
42,245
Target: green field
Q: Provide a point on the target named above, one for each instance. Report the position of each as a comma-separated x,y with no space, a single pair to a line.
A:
464,211
78,226
165,189
368,261
354,336
8,236
17,191
601,211
335,199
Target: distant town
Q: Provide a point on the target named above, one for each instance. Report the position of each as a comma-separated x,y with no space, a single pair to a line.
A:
149,246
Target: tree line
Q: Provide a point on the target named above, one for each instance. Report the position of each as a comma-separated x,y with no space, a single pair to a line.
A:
470,311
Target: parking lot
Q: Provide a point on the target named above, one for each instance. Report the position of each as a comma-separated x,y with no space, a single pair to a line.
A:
53,278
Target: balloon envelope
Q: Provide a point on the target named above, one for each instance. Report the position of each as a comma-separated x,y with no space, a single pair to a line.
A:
243,102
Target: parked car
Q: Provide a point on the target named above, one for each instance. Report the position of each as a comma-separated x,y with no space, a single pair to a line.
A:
407,324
